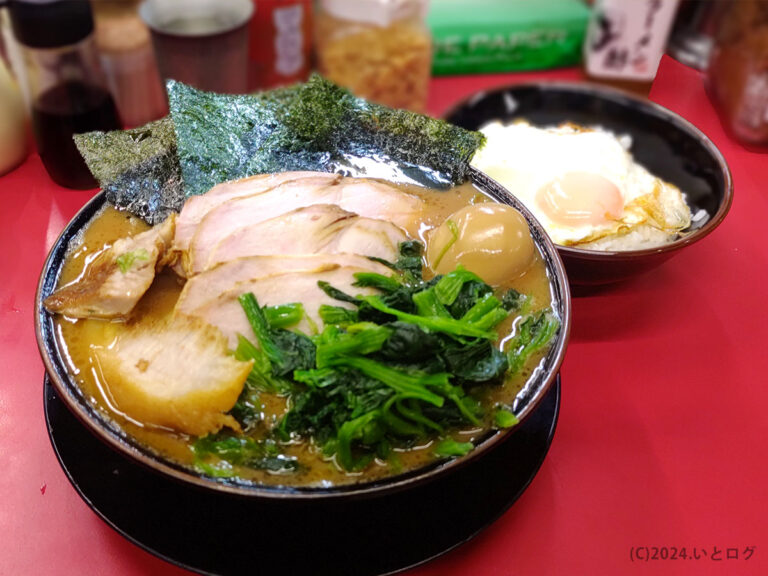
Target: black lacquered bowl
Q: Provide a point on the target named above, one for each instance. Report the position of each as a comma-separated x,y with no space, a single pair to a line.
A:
109,431
667,145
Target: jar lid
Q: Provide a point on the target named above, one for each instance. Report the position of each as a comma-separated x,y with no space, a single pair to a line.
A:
50,23
378,12
121,33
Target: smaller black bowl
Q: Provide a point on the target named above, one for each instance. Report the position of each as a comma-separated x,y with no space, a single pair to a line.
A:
667,145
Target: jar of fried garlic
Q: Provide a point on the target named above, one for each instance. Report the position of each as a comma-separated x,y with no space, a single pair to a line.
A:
379,49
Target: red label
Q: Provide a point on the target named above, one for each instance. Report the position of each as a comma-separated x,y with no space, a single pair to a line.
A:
280,43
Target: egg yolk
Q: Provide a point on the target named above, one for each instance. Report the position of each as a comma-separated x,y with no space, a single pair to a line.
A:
578,198
491,240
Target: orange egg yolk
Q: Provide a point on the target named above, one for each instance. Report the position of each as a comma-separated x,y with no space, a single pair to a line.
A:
578,198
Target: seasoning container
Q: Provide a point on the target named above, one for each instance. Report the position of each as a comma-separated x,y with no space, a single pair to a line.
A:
379,49
13,133
10,52
692,36
280,50
66,84
625,42
203,43
125,47
737,78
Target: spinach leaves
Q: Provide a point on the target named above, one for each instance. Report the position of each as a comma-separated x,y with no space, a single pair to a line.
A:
387,371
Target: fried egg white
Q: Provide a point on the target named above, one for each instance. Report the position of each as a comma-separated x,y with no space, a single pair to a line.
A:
583,185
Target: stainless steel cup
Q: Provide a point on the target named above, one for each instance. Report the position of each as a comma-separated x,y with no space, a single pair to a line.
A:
203,43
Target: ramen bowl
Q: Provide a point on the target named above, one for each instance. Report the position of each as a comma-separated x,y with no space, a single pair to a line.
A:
334,521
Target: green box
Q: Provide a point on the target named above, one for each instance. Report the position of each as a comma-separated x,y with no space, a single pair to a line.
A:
480,36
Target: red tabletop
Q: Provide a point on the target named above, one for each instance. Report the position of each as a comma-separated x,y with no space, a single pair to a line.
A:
662,434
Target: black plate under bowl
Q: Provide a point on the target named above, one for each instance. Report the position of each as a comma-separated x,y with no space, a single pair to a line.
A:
667,145
219,533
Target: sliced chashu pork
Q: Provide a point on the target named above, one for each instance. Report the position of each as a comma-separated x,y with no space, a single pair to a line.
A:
367,198
370,237
226,313
114,282
224,201
177,375
322,228
198,206
207,286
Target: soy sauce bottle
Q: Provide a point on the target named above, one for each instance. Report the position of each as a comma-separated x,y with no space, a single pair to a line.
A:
66,84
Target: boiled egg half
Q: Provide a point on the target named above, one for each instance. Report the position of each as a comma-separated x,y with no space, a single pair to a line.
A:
491,240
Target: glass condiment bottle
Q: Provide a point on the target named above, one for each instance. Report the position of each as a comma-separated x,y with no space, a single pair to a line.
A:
379,49
13,132
66,85
625,41
692,36
737,77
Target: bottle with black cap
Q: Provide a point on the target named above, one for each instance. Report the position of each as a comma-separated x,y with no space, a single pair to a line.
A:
66,84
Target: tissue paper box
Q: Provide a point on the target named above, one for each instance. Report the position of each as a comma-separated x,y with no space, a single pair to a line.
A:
476,36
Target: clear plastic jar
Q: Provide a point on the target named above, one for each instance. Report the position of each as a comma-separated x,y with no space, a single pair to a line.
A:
379,49
737,78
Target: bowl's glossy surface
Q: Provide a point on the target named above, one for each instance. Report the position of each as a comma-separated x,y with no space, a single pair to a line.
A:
111,433
666,144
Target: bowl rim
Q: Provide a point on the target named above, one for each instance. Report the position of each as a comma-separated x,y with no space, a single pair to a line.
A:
623,97
98,423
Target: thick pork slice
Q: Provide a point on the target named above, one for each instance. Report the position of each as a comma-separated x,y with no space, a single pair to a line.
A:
198,206
369,237
208,285
375,199
114,282
322,228
262,206
177,375
226,313
302,231
367,198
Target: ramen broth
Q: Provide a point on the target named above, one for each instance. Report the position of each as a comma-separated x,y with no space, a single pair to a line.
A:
79,339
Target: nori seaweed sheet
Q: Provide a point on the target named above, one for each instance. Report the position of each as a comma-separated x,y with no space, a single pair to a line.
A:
311,126
138,169
211,138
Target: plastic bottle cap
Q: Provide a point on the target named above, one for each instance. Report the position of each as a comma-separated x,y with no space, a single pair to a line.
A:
50,23
378,12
